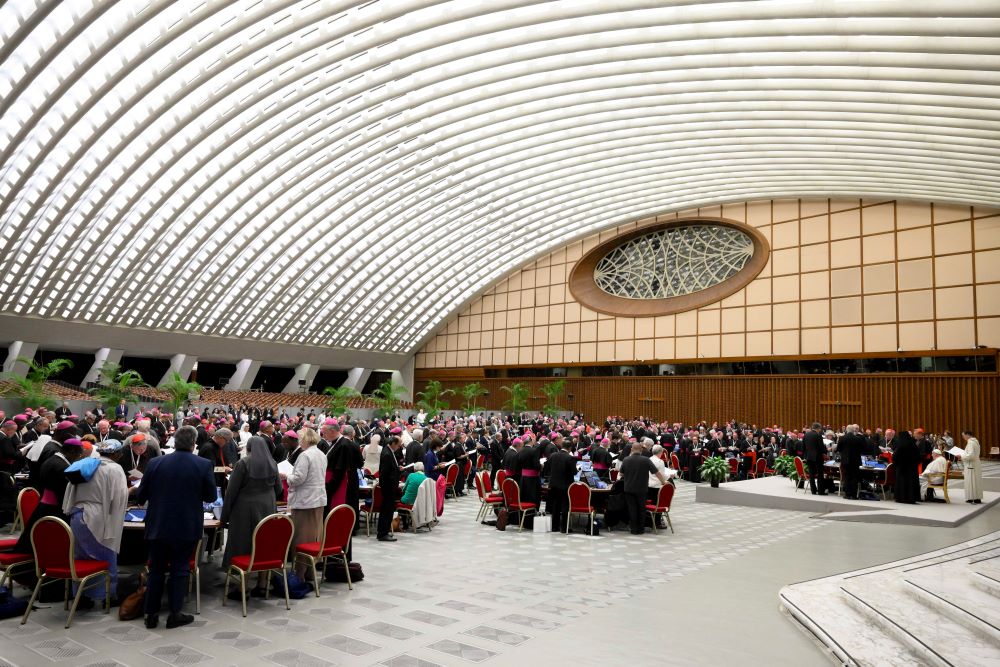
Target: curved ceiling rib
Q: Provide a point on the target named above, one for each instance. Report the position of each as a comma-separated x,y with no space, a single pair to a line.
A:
347,174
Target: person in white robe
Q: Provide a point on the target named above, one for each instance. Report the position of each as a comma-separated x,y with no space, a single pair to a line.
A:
973,469
96,509
933,473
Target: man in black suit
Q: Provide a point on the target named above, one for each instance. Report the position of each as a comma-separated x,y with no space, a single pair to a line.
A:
388,480
851,445
560,468
815,450
175,487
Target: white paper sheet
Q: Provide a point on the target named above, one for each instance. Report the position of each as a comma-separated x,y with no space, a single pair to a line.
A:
285,468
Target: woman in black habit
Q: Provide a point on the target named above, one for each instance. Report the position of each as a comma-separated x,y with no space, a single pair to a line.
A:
904,461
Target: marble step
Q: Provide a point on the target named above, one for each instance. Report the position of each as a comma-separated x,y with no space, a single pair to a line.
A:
955,596
850,637
933,636
986,579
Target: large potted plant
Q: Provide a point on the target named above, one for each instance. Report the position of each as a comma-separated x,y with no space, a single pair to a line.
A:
339,401
785,466
432,398
714,469
30,390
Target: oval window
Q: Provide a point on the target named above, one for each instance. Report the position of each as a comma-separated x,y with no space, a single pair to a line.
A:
669,267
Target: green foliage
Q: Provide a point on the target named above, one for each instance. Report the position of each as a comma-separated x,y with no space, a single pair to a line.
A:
30,390
785,466
552,391
179,390
431,399
387,397
518,401
117,385
340,398
470,393
714,469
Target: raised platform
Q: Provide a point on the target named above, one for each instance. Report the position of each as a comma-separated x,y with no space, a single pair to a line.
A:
939,608
780,493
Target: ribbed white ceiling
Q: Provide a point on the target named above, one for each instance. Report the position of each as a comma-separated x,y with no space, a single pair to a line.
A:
347,174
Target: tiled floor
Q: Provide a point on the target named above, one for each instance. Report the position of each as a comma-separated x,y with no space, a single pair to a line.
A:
468,594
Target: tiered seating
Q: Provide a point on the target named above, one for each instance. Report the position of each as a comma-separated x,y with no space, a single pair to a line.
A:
61,392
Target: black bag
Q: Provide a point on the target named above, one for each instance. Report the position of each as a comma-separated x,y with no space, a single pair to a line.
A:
297,589
10,606
335,571
502,519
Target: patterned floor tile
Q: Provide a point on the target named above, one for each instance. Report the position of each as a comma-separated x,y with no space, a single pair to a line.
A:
431,618
497,635
463,651
178,654
405,660
464,607
389,630
128,633
59,648
241,640
531,622
296,658
347,644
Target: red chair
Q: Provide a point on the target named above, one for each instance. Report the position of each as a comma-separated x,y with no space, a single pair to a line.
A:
54,545
752,467
662,506
501,476
272,538
800,470
888,480
761,469
675,463
11,560
487,501
512,497
481,462
371,511
451,479
487,484
579,503
466,469
334,541
734,468
195,579
27,501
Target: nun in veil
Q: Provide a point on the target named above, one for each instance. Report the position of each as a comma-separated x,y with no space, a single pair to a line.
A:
251,495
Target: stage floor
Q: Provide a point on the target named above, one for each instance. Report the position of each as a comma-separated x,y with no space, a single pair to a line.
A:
780,493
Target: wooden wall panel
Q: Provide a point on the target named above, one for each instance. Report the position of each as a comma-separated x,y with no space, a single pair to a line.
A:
934,402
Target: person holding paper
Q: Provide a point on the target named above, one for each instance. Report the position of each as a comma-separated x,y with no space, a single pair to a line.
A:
973,469
250,496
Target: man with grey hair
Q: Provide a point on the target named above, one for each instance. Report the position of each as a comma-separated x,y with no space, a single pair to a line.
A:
415,450
223,453
850,446
175,487
635,473
342,466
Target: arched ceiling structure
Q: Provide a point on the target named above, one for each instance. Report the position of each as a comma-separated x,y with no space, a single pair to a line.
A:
347,174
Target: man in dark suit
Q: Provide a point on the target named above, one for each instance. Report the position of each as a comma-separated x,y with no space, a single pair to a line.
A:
560,468
388,480
851,445
815,450
175,487
121,412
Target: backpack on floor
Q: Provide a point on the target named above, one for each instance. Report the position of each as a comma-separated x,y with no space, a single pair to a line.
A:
10,606
335,572
297,588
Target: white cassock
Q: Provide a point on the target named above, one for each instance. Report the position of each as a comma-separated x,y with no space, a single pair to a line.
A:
973,471
934,469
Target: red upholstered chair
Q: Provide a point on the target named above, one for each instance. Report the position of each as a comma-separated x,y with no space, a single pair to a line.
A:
481,462
466,469
512,497
800,470
451,479
487,501
662,506
761,469
272,538
675,463
8,544
27,501
501,476
752,466
888,480
734,468
336,537
11,560
487,484
195,579
371,511
53,544
579,503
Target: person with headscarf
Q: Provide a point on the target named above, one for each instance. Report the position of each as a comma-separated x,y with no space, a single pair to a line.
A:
372,453
252,494
905,461
96,511
244,435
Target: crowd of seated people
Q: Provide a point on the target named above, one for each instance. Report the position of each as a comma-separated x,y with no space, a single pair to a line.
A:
258,458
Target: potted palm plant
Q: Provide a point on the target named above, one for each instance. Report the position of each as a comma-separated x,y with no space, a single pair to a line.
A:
714,469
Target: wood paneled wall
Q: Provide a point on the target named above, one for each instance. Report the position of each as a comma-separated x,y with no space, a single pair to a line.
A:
934,401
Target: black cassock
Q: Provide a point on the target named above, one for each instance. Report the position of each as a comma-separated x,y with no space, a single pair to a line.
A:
342,465
531,484
904,462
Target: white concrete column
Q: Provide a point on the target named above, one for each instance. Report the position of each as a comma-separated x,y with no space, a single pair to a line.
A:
19,348
356,378
182,364
246,372
404,376
303,373
101,357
